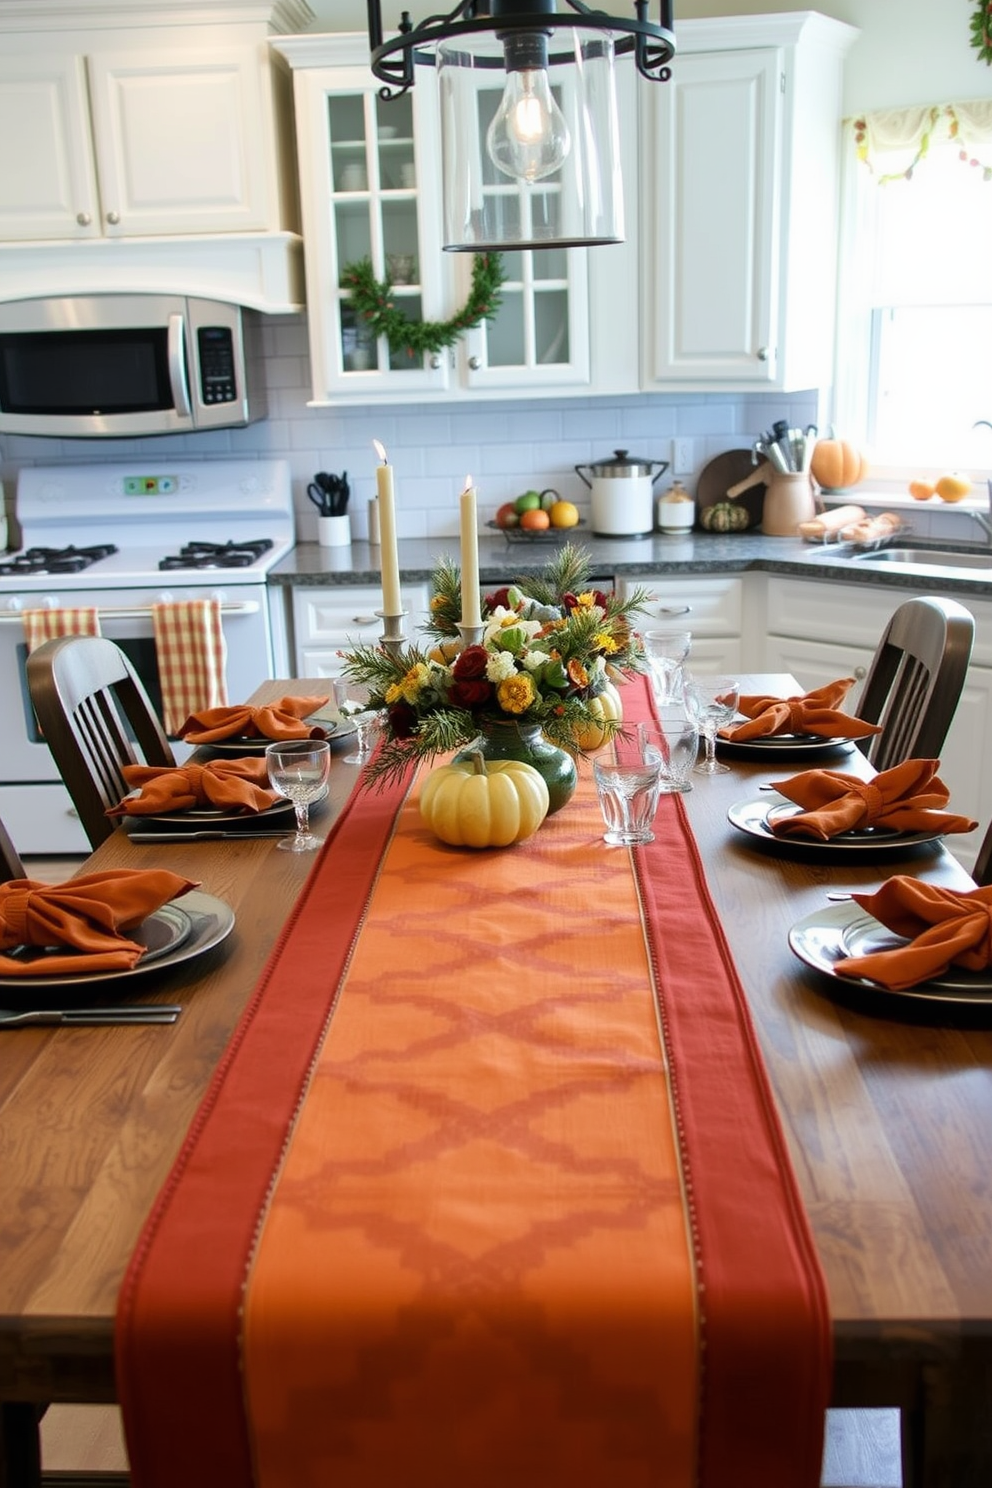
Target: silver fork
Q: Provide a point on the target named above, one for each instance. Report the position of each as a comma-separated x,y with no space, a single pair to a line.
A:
166,1012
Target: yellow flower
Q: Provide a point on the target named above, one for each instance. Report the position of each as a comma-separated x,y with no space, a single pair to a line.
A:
410,687
605,642
515,694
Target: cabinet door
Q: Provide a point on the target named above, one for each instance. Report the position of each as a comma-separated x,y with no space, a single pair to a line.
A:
712,168
327,621
181,141
48,183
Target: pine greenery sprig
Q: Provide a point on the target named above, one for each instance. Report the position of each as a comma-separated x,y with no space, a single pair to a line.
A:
981,31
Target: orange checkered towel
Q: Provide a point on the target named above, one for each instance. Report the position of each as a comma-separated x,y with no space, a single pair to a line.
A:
46,625
192,654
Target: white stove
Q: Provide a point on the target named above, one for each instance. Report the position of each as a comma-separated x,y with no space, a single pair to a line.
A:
143,514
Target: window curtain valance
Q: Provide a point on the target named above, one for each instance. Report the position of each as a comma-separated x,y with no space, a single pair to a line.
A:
892,143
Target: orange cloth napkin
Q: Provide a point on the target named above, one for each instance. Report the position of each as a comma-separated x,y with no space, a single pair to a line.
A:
241,784
279,720
816,712
83,915
943,927
906,798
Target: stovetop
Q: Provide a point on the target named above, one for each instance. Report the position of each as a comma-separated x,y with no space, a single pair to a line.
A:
142,523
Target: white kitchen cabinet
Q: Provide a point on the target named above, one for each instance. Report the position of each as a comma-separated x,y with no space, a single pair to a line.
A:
135,130
331,619
740,167
848,622
710,607
370,188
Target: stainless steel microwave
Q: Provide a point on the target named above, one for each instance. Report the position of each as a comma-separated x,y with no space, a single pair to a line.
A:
123,365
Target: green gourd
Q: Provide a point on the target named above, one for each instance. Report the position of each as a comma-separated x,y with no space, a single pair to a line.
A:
725,516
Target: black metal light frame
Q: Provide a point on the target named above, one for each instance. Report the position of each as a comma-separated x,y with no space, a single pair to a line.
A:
653,43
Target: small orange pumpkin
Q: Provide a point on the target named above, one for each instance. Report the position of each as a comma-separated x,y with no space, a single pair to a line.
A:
837,464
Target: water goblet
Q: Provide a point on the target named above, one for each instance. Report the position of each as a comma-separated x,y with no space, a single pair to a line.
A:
352,701
711,701
298,770
666,651
627,785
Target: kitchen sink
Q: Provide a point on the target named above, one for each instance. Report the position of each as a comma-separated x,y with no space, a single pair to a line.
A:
927,557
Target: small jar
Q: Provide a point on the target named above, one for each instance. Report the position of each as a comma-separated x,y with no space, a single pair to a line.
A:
676,511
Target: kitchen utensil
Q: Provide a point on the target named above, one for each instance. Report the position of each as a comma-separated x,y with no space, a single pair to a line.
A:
622,494
329,493
157,1013
206,836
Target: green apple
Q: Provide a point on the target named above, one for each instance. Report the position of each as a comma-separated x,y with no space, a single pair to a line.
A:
529,501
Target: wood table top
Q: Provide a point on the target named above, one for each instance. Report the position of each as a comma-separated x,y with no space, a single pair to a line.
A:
886,1106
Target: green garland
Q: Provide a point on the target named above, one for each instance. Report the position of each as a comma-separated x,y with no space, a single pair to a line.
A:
374,302
981,31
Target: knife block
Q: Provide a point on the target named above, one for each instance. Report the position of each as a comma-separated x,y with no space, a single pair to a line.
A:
788,501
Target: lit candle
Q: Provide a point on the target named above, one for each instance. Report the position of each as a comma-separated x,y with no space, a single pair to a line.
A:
471,607
392,603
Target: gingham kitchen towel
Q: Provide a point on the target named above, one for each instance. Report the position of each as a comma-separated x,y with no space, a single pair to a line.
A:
45,625
191,653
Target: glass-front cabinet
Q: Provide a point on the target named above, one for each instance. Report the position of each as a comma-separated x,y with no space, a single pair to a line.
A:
370,190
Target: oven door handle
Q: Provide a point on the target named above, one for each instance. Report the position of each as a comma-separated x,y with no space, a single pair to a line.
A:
140,612
176,352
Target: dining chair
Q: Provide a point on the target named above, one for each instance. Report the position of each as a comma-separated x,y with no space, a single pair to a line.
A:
10,863
982,871
93,711
915,680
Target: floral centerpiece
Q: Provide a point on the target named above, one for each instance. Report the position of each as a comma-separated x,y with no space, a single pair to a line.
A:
551,646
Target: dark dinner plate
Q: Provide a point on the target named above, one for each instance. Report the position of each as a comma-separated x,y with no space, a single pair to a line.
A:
783,747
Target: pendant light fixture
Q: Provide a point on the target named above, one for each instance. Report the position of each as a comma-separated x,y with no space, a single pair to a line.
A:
530,139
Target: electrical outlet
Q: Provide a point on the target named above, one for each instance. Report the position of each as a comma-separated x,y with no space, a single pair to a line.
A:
682,463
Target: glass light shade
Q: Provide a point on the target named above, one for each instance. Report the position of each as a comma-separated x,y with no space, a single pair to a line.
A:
576,202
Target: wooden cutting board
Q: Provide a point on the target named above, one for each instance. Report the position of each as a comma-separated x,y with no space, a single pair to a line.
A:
722,472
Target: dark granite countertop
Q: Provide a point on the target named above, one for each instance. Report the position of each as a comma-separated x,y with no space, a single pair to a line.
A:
641,558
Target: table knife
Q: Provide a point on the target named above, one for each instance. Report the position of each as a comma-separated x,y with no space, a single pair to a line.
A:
150,1013
207,836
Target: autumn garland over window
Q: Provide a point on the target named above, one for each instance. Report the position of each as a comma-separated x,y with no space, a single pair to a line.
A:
892,143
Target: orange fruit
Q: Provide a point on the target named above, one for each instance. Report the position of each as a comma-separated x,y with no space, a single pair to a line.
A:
564,514
535,521
921,490
953,487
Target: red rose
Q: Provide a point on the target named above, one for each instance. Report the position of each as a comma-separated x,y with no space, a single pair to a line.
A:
402,720
470,664
499,600
470,694
570,601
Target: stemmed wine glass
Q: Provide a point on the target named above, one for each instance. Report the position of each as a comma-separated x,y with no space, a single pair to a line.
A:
711,701
352,700
298,770
666,652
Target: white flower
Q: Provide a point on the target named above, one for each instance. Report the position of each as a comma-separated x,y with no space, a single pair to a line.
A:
500,666
534,660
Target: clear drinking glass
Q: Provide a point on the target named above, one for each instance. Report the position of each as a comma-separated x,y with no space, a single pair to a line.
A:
628,787
712,701
674,742
666,651
352,702
298,770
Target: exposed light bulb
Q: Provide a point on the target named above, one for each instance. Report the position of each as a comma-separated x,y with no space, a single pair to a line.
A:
528,137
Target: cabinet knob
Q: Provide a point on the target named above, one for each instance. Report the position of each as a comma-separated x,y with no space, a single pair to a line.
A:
435,362
675,609
363,619
475,363
860,673
113,218
764,353
84,219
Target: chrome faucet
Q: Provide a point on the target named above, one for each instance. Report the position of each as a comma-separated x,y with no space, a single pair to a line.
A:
984,519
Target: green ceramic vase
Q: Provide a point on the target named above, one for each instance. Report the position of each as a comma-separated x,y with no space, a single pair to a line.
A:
524,741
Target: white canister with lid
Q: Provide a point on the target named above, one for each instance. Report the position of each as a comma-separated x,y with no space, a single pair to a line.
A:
676,510
622,494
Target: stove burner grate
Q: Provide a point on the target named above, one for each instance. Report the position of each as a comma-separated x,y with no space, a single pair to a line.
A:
217,555
55,560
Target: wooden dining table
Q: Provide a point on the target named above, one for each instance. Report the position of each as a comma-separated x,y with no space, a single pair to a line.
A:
886,1104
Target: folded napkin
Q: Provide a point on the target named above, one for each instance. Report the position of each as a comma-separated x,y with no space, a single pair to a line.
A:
281,720
84,915
906,798
816,712
240,784
943,927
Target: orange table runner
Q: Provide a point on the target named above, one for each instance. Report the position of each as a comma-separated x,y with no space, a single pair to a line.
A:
488,1189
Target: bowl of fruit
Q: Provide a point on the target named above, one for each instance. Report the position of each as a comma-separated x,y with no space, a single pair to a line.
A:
536,516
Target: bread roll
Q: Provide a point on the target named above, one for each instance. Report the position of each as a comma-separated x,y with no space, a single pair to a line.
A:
829,523
872,529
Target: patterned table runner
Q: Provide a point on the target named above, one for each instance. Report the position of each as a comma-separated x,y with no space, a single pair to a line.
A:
488,1190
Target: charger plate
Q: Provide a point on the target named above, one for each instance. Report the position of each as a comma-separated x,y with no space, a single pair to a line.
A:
838,930
784,746
754,819
212,816
173,935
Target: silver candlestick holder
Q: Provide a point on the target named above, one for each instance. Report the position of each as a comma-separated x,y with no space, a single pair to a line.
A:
471,635
393,638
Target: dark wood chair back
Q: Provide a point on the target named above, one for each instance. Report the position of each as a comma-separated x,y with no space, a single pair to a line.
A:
10,864
982,871
96,717
915,680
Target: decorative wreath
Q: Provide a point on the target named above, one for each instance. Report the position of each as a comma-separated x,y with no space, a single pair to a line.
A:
373,299
981,31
